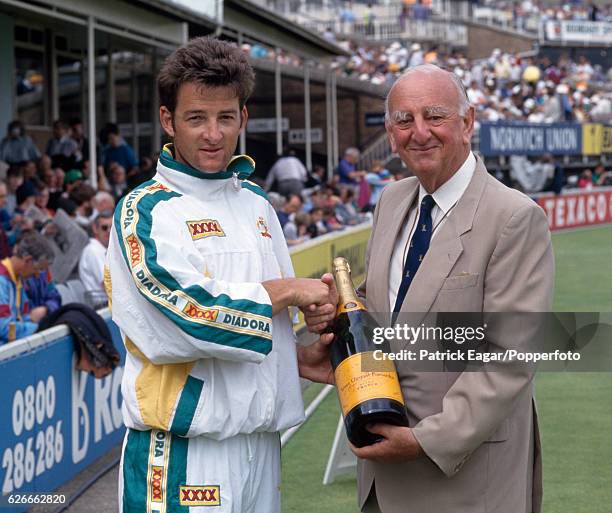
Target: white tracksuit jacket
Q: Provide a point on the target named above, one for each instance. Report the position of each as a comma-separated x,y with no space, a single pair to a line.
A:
186,259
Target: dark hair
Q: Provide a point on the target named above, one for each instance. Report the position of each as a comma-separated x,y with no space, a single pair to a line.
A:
84,192
16,123
60,123
207,62
14,170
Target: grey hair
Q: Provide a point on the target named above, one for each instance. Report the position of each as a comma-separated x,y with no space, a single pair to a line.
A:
101,196
35,245
464,102
352,151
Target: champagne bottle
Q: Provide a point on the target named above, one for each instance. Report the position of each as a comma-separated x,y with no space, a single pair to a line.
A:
369,390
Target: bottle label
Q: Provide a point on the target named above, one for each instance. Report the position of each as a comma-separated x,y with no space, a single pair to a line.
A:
349,306
356,386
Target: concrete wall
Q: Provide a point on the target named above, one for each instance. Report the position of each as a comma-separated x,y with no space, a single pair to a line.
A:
482,40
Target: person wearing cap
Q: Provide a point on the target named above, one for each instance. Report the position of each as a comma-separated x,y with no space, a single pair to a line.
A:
200,281
73,178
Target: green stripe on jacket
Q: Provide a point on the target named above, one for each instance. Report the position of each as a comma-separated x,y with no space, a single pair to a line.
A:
146,202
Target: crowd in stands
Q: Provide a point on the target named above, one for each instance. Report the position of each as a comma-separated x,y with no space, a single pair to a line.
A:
309,205
54,226
598,177
502,87
574,10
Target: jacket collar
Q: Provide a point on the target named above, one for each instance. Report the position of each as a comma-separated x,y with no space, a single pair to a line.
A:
240,165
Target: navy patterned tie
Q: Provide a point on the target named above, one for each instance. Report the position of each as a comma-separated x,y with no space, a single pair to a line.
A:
419,244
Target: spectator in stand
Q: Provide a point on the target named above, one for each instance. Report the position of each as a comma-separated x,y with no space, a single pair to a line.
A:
17,146
345,210
5,248
41,291
592,11
26,196
330,219
295,231
31,255
72,179
586,179
14,180
117,150
317,225
291,206
347,168
416,55
91,264
599,174
118,181
30,171
316,179
78,135
420,11
82,197
101,202
62,148
403,16
289,174
38,212
378,179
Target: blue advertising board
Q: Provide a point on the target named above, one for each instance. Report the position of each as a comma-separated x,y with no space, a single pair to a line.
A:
531,139
55,420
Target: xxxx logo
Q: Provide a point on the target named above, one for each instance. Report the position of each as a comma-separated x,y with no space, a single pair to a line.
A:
205,228
200,496
157,187
134,249
194,312
156,484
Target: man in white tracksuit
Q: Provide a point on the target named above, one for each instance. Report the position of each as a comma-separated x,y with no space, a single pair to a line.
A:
200,280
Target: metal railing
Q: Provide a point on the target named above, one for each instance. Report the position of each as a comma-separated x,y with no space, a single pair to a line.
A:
386,29
380,149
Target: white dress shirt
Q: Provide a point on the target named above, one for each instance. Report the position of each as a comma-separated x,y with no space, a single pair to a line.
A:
446,197
91,266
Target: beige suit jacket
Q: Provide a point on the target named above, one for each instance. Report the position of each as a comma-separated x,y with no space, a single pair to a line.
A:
479,429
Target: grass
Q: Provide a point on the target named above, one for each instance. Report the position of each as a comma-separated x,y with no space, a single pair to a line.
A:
575,408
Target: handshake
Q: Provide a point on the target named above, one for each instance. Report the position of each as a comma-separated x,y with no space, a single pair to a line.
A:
317,299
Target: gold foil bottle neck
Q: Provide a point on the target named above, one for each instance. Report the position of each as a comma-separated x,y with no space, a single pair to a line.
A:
340,264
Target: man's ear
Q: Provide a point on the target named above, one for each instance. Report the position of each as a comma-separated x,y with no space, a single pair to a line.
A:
468,125
390,135
166,121
244,117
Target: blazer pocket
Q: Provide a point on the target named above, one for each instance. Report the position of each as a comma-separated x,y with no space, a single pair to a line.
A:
460,281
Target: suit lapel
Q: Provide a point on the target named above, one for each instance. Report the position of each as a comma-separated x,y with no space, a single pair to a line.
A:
446,247
391,226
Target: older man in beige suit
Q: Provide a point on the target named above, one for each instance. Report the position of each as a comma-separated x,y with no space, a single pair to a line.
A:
473,443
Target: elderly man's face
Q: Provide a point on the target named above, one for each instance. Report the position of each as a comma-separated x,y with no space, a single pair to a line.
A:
425,127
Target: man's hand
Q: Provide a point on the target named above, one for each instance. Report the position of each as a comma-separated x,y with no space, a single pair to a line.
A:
313,360
38,313
302,292
308,292
318,317
398,444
